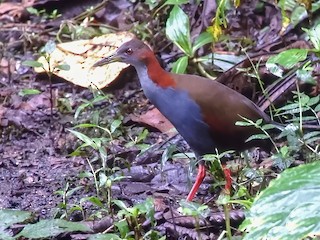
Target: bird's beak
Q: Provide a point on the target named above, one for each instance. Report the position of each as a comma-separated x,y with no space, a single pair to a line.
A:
112,58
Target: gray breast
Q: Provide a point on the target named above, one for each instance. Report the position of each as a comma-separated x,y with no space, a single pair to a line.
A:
182,111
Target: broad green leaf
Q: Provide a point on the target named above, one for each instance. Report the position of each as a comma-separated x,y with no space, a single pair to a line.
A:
289,208
180,65
287,59
178,30
32,63
9,217
5,234
203,39
314,35
51,228
297,15
28,91
314,100
123,227
107,236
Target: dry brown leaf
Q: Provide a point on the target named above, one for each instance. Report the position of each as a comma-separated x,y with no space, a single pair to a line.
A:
155,119
82,54
14,9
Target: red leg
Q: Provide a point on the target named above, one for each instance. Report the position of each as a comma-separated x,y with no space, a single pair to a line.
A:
227,176
199,179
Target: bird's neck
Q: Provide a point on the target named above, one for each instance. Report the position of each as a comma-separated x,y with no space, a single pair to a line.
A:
151,69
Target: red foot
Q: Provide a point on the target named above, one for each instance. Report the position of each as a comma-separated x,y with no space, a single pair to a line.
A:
196,185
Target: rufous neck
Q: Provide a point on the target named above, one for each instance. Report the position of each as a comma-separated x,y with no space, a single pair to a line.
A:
155,72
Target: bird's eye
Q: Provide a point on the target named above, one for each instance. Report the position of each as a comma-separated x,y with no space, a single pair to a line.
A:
129,51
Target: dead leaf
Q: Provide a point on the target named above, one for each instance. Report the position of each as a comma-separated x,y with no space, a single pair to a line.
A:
155,119
14,9
82,54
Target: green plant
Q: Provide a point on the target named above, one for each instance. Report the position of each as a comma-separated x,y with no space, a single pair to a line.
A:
46,52
43,229
43,13
198,211
65,206
178,31
288,208
132,218
258,124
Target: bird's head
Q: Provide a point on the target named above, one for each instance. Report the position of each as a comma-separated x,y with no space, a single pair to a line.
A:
133,52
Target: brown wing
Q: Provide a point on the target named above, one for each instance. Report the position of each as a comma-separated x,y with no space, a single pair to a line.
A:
222,107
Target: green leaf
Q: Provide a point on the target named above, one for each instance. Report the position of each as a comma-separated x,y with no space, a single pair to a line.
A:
178,30
142,135
275,69
289,208
120,204
32,63
100,236
203,39
243,124
176,2
298,13
72,191
114,125
193,209
33,11
257,136
268,126
314,34
287,59
51,228
28,91
49,47
87,140
123,227
89,125
306,76
180,65
64,67
314,100
96,201
9,217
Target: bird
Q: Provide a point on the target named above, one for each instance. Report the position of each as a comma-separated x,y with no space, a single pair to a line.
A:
203,111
